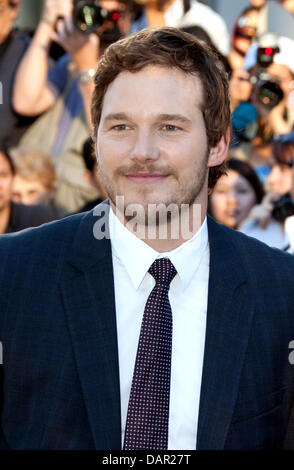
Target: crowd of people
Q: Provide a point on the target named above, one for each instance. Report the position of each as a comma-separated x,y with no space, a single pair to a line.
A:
47,164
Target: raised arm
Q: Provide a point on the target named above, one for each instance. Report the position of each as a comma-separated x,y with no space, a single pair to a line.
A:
31,94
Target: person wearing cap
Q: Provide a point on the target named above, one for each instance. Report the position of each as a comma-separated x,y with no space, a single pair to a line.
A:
280,118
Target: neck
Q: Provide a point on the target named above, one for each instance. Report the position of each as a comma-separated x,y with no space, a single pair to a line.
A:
170,234
5,33
4,218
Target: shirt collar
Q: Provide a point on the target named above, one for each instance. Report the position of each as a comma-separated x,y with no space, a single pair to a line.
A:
137,256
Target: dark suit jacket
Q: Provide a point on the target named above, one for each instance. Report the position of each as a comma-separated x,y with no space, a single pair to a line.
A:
60,358
22,216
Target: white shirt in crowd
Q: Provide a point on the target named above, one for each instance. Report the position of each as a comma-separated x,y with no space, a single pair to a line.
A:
188,298
274,235
203,16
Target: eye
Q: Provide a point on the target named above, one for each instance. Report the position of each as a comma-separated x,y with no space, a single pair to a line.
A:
170,128
242,191
120,127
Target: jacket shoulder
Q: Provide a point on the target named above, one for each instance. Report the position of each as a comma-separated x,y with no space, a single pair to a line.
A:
259,256
48,242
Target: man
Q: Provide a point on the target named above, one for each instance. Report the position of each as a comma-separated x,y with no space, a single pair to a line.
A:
13,45
62,95
99,355
278,119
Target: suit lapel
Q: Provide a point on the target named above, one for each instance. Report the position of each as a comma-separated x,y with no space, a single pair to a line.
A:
229,315
88,294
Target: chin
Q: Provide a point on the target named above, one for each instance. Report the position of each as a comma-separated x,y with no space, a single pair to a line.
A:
231,224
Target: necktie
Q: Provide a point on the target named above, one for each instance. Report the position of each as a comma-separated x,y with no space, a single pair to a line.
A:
148,410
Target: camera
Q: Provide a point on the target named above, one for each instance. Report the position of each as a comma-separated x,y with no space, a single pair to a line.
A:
283,208
269,92
88,16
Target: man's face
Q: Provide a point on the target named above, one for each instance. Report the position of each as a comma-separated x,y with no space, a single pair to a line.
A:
6,179
151,140
8,14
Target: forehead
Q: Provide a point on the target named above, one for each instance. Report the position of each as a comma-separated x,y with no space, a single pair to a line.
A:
27,182
232,178
160,88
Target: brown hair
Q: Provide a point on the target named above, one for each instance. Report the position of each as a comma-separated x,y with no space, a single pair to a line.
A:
170,47
282,152
31,163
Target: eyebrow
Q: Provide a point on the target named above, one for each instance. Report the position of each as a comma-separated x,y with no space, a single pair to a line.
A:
116,117
160,117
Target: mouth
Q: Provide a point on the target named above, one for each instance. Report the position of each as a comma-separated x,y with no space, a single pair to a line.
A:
146,177
232,213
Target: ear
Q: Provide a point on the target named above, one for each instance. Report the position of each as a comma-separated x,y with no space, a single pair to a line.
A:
218,154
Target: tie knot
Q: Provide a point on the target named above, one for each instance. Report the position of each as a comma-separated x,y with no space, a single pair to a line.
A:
163,271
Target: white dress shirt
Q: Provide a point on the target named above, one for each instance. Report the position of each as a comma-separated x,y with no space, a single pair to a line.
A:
188,298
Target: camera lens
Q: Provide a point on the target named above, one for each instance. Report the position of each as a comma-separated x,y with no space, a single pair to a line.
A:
88,16
269,94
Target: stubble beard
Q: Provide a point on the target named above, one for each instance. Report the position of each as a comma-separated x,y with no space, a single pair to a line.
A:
187,194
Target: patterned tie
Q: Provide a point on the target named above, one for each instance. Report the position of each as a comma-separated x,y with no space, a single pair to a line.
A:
148,410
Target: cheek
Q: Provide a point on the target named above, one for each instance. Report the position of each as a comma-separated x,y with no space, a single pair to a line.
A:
247,201
6,184
218,204
112,151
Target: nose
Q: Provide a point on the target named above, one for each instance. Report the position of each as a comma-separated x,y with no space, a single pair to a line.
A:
232,199
144,147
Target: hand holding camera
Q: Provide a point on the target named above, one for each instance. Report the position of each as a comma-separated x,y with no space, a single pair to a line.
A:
83,49
54,9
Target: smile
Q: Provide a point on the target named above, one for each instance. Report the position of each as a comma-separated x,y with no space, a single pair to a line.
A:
146,178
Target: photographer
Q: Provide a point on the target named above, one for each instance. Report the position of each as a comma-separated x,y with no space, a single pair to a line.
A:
13,44
244,115
64,92
243,34
271,65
